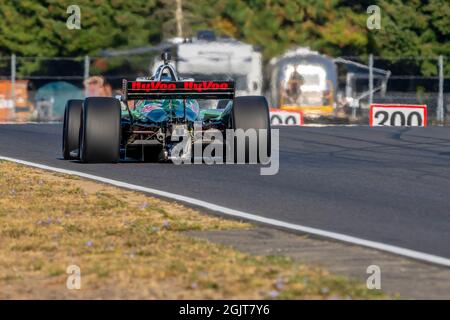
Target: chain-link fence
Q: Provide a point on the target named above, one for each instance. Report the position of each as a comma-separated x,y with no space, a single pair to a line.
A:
33,89
36,89
116,68
401,80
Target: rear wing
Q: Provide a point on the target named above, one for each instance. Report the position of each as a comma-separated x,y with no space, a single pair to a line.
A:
147,90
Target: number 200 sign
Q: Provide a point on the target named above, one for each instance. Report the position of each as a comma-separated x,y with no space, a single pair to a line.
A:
282,117
398,115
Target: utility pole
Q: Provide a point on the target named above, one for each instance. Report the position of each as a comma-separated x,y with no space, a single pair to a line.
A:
440,104
179,17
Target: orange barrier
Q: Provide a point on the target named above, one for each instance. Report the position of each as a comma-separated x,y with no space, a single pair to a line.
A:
5,114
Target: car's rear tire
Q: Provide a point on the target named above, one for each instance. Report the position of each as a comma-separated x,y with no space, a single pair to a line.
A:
71,127
252,112
100,130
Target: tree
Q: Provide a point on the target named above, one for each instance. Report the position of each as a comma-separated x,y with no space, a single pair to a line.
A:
38,28
414,28
279,24
335,27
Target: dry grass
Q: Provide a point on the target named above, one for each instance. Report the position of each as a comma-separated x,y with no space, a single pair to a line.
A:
129,245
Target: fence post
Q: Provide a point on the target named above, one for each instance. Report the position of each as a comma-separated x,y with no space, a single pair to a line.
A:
370,79
440,104
13,84
87,64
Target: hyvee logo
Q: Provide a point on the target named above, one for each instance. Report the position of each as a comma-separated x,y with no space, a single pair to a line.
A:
147,86
205,85
188,85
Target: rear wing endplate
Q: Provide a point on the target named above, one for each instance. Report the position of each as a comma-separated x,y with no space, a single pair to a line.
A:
147,90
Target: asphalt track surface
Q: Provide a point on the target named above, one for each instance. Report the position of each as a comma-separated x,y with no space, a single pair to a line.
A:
390,185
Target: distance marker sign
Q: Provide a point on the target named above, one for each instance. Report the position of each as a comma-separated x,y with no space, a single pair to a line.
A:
284,117
398,115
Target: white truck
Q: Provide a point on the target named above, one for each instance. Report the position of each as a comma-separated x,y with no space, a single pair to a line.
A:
209,57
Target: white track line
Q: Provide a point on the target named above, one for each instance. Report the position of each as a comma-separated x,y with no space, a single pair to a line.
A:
31,122
248,216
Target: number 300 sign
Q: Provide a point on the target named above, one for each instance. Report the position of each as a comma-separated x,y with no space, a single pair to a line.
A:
398,115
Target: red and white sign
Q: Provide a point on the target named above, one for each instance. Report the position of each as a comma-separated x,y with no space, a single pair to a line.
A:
398,115
285,118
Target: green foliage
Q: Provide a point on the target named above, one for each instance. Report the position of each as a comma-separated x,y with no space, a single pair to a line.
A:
38,28
335,27
278,25
413,28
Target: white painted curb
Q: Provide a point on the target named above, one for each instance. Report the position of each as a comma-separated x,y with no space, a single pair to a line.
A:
248,216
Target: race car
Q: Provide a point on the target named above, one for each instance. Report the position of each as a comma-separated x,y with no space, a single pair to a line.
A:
142,123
